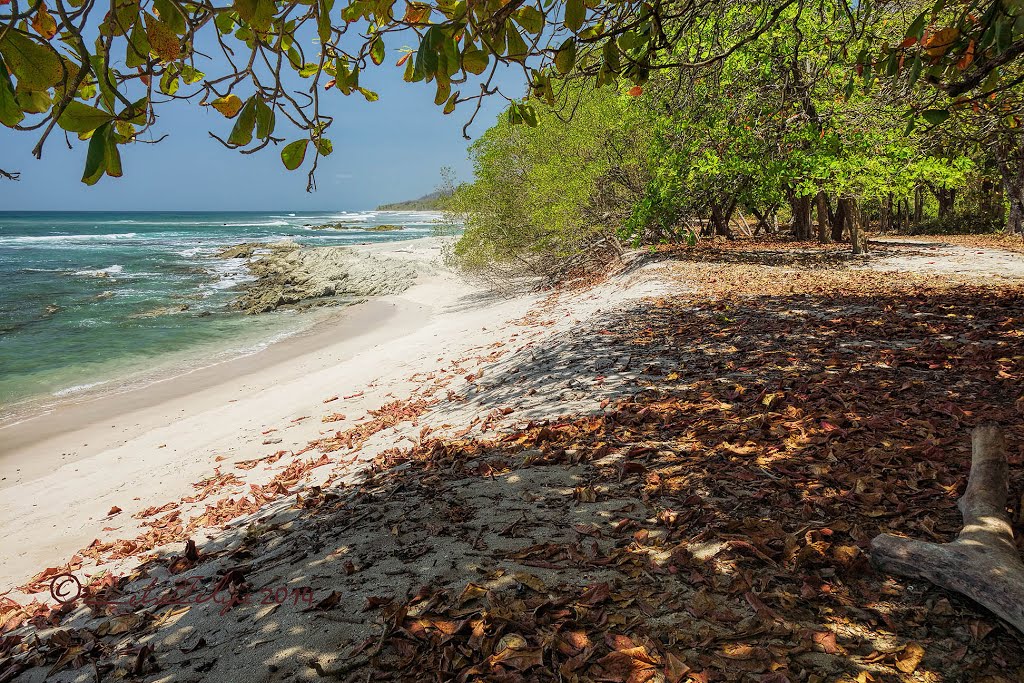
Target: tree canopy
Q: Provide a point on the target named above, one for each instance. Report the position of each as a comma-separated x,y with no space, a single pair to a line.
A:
102,71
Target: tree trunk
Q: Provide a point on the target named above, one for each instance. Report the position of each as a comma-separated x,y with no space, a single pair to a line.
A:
947,200
885,214
823,226
853,220
1013,191
983,562
720,217
918,205
801,208
839,220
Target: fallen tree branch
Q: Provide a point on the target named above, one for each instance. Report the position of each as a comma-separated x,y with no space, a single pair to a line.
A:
982,563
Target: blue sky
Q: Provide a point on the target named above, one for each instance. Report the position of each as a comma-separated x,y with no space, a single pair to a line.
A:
389,150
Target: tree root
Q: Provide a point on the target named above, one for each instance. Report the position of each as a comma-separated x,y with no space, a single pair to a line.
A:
982,563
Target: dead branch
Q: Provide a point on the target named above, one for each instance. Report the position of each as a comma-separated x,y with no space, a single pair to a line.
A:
982,563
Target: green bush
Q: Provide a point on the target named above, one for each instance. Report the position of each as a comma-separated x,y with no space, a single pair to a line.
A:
546,199
958,224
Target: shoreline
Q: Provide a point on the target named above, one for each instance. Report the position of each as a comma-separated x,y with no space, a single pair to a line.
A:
77,412
294,290
63,470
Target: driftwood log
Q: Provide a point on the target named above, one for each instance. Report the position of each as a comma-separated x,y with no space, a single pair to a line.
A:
982,563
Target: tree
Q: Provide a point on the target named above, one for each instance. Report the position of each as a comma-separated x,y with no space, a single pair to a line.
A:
549,198
782,122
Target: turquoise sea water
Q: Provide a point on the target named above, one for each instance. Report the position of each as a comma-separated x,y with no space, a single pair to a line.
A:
75,290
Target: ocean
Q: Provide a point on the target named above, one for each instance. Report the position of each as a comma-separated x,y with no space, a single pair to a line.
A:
81,293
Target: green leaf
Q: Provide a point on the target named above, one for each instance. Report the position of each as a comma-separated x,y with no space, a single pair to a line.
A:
529,114
32,101
324,20
123,17
259,14
79,117
190,74
10,112
450,52
565,58
575,13
137,47
530,18
293,154
449,106
225,23
169,81
915,71
369,95
1004,34
611,55
241,134
136,113
516,46
169,14
324,147
96,156
265,120
444,89
848,91
35,66
935,116
515,117
377,50
426,56
916,29
113,156
474,60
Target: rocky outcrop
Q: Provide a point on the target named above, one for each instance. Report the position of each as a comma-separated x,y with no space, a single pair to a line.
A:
162,310
333,226
250,249
239,250
322,276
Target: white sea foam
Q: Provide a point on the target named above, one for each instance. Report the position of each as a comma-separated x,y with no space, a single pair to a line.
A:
109,270
77,388
359,217
28,239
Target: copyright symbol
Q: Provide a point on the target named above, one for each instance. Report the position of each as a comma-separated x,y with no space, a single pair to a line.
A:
65,588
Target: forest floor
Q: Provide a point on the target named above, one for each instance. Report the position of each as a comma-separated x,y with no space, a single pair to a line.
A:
671,475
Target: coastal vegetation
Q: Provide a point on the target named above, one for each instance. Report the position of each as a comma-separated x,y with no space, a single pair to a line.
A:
791,133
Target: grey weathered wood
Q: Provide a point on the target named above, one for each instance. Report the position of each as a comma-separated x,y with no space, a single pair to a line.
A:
982,563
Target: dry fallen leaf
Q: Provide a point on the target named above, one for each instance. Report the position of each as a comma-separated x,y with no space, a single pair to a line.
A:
908,659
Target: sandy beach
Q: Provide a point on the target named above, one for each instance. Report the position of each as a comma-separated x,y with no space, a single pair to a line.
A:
413,446
61,472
